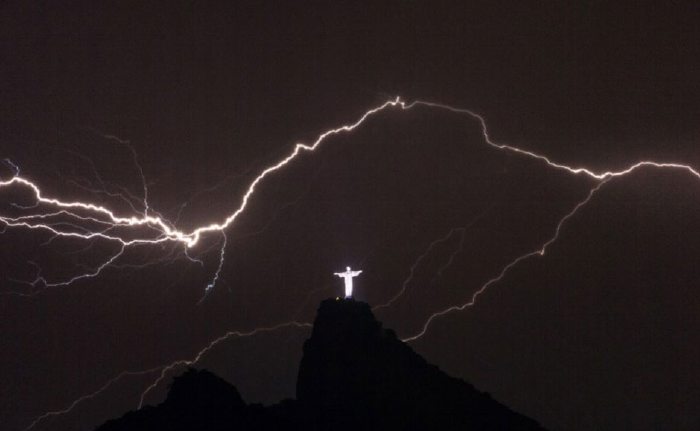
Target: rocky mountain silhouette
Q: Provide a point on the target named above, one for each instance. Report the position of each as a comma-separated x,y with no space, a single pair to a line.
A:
354,374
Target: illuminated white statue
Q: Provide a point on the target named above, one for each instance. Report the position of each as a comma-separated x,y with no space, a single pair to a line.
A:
348,275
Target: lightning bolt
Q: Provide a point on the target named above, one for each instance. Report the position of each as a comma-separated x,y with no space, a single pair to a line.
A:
89,396
164,369
11,165
211,345
451,259
600,176
214,279
404,285
539,252
460,246
164,231
160,230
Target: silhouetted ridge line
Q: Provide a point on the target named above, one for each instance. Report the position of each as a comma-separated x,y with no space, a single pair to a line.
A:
354,374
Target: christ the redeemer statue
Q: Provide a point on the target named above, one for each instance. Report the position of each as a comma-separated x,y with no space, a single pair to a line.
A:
348,276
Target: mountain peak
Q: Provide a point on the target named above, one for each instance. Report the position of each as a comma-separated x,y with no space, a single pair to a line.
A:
355,370
354,374
202,389
342,319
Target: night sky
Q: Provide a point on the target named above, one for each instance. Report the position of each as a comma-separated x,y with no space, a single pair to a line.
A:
599,333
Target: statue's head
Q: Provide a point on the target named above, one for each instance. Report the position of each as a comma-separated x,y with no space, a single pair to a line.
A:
348,268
